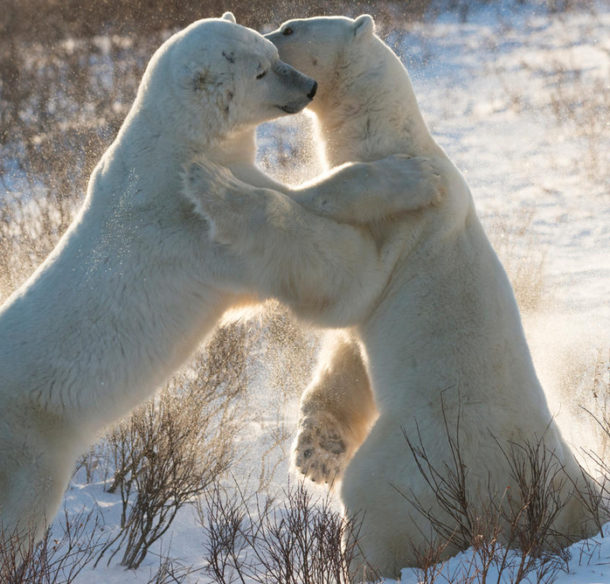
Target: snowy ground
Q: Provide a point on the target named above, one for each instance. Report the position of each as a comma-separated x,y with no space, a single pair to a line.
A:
519,100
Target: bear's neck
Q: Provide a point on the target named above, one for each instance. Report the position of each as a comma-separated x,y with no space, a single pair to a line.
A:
374,114
235,149
142,144
157,145
147,140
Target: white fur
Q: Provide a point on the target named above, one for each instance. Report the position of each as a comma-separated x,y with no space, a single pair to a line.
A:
439,324
134,284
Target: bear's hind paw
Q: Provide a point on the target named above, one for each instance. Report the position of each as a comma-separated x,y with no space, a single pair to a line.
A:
321,452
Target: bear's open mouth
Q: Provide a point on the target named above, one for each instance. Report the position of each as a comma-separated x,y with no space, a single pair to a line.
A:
290,108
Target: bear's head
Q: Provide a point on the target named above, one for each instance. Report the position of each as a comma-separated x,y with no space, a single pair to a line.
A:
323,46
215,77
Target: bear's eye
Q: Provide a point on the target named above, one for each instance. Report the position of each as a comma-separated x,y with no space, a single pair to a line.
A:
261,74
287,31
199,81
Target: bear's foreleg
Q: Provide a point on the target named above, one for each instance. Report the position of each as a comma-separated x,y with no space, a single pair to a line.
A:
363,192
31,491
328,272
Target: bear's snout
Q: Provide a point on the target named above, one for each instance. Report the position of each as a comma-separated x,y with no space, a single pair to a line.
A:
314,88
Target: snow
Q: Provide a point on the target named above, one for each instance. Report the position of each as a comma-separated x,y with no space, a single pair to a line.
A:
492,90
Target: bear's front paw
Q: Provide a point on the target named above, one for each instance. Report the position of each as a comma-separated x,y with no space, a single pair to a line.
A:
204,174
215,194
321,450
432,184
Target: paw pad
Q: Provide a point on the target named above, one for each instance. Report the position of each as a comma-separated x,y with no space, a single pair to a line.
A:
321,451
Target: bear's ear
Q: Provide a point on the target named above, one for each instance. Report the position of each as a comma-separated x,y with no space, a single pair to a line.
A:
364,26
230,17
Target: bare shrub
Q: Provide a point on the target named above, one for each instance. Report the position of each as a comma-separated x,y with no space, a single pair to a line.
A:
59,109
58,558
289,360
583,384
259,540
573,97
171,571
525,269
28,232
94,462
281,358
32,18
295,351
172,448
601,380
582,106
597,497
510,533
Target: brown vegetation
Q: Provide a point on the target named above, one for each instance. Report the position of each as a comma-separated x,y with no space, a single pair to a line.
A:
68,74
173,448
258,540
65,550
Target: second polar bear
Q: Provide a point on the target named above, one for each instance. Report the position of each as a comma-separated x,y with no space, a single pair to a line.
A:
135,283
447,356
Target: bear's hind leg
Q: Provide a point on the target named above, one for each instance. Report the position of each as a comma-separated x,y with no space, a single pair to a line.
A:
337,411
379,486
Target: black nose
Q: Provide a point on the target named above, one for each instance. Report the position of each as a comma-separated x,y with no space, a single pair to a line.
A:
313,90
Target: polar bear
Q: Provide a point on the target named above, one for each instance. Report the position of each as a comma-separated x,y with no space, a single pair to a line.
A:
443,343
135,283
